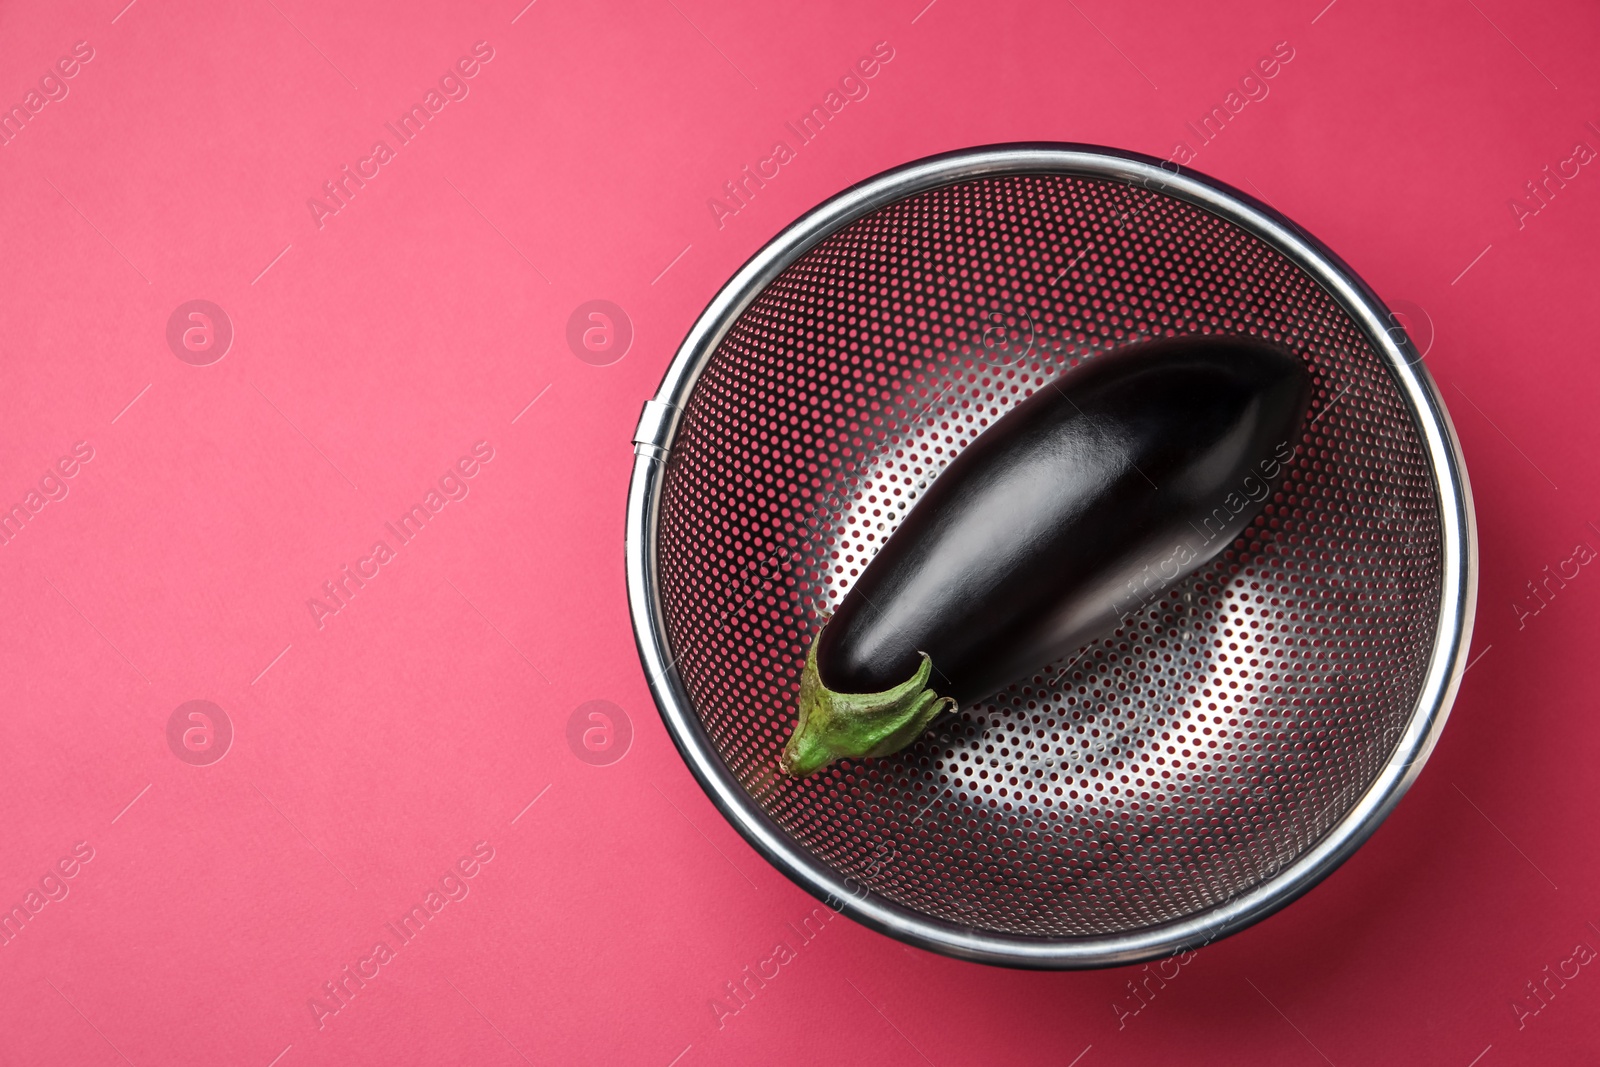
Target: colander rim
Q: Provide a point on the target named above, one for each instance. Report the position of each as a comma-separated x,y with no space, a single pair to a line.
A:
1458,552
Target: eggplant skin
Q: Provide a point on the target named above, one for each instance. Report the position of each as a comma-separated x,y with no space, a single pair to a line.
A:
1077,508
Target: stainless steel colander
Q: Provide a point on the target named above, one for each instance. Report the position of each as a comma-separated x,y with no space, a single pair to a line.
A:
1198,769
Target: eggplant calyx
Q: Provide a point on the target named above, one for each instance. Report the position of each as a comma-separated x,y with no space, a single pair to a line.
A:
841,725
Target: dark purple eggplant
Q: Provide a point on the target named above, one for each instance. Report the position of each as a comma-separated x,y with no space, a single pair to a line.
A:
1077,508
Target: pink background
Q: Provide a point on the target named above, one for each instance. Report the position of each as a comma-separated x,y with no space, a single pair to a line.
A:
371,754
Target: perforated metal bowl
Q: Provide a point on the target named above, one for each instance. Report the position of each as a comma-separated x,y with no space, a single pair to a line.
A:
1200,768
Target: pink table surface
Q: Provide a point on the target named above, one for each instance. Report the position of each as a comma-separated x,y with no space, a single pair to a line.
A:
181,909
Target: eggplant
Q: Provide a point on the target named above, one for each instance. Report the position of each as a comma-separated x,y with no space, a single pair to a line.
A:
1077,508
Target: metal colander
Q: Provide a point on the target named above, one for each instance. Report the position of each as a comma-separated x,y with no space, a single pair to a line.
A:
1204,765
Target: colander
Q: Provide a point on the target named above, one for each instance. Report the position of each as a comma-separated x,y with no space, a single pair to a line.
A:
1168,785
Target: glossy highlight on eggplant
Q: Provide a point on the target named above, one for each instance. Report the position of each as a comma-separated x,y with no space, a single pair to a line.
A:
1072,512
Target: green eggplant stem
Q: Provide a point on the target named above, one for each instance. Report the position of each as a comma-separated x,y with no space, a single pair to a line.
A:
836,726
